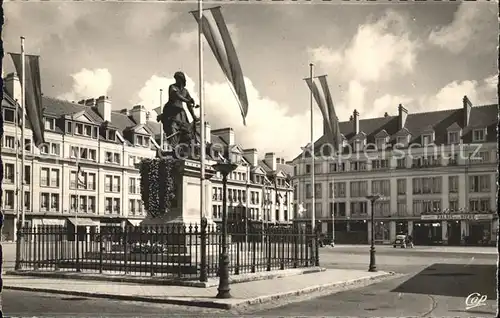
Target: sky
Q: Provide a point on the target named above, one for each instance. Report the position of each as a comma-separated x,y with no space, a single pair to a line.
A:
426,56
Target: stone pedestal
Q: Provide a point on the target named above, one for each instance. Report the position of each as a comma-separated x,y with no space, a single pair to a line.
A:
184,216
186,209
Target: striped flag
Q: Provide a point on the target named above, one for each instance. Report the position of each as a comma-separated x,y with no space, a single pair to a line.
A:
33,89
216,33
321,93
80,178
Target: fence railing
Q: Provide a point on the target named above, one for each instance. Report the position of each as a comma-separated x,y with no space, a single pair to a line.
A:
177,251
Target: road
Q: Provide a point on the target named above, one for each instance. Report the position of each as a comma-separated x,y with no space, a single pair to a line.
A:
434,284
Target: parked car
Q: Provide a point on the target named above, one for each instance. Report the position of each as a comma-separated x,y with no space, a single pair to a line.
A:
400,241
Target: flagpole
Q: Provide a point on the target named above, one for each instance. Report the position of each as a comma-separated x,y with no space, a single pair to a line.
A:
23,146
161,126
202,110
313,187
16,120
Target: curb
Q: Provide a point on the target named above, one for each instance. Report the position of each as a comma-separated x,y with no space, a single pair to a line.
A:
215,303
212,282
409,252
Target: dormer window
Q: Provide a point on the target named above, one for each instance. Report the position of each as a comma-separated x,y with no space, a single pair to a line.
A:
402,141
50,124
478,135
358,145
79,129
142,141
111,135
381,143
427,139
453,137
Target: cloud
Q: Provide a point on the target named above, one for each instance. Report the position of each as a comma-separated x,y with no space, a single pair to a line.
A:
269,127
450,96
472,26
188,39
356,95
89,84
377,51
387,104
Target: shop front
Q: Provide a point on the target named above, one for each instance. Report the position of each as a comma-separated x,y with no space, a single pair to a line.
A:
457,229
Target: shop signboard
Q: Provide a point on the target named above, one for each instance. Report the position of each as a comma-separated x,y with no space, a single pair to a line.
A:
444,217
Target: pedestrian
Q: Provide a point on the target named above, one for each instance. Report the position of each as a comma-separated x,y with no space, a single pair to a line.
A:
410,241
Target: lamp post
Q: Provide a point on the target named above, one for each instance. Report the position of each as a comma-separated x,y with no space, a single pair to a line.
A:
373,266
225,167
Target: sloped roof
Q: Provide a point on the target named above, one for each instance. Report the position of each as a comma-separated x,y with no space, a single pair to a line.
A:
417,123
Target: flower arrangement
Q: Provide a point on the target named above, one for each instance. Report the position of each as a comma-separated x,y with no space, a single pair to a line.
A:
158,185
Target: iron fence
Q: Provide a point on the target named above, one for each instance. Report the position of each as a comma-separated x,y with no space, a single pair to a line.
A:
176,251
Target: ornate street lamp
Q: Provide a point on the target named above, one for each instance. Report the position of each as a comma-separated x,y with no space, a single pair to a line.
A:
228,164
372,198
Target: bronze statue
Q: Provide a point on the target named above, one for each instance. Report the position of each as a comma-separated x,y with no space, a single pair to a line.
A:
174,119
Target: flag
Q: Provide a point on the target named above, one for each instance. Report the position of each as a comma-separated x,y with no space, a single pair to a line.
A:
216,33
33,94
80,176
324,100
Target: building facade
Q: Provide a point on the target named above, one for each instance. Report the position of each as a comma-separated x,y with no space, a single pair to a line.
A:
107,145
436,173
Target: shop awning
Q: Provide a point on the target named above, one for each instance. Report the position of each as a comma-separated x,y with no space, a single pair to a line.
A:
134,222
82,222
61,222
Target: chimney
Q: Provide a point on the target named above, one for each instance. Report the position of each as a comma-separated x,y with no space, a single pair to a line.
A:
13,86
91,102
350,118
251,156
467,105
103,105
270,160
139,114
355,116
124,111
402,115
148,116
386,115
81,102
227,134
207,131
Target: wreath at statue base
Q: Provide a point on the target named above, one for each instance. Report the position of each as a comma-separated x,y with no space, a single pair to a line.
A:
158,185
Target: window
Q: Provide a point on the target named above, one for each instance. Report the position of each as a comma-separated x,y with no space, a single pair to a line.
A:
9,198
318,209
427,185
8,115
318,191
308,168
484,205
380,164
401,208
426,139
318,168
358,145
9,142
381,143
479,183
49,177
453,137
481,157
339,189
453,184
478,135
453,205
358,166
382,187
336,167
308,191
338,208
382,208
112,157
453,160
111,135
402,141
401,163
49,202
9,173
358,208
436,184
132,186
401,183
50,124
474,205
359,188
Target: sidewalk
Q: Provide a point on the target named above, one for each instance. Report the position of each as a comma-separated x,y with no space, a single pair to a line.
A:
427,249
244,294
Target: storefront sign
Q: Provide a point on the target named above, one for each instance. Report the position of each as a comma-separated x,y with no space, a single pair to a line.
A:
474,217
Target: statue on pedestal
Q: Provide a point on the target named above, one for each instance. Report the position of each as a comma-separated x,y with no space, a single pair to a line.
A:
173,118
